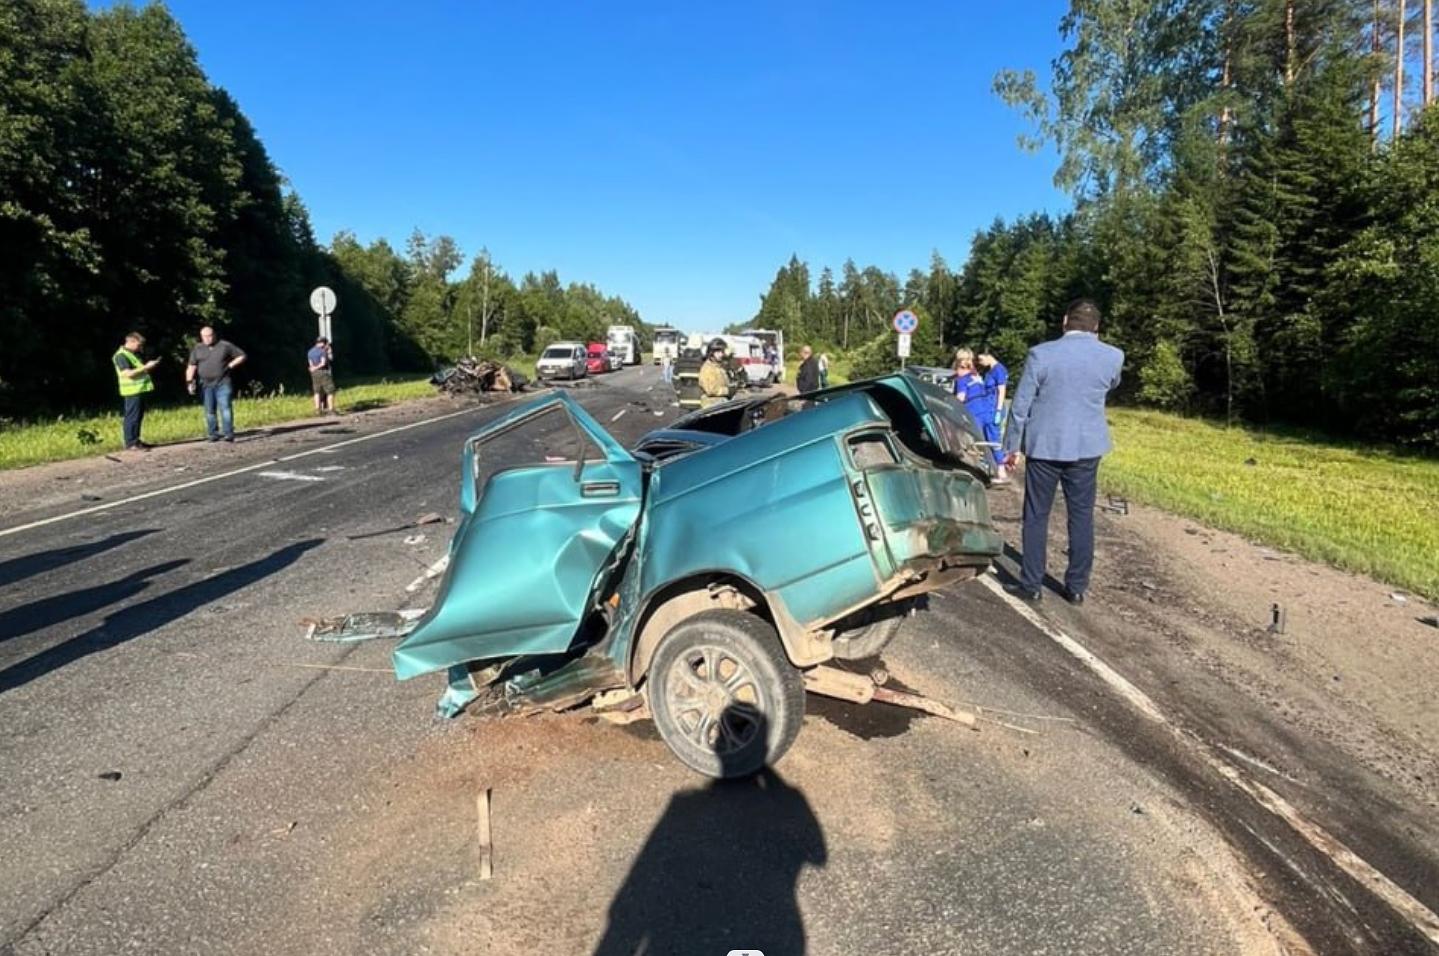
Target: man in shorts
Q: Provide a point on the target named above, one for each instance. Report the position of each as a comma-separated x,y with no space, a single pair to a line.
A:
322,376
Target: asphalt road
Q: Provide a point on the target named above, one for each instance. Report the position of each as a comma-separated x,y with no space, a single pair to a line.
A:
181,772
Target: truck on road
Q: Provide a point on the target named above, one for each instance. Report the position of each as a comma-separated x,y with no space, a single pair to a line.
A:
667,344
624,343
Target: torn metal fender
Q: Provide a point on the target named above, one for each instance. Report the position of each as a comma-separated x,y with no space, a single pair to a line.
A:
520,685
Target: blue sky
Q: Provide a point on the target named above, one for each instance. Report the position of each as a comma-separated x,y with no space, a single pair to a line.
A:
672,153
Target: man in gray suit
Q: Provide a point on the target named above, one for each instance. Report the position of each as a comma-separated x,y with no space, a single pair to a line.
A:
1057,422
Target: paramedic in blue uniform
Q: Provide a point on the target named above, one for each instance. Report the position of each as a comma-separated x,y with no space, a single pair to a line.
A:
968,383
996,384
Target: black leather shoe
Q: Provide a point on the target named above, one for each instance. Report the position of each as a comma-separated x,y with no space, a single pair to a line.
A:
1024,593
1074,597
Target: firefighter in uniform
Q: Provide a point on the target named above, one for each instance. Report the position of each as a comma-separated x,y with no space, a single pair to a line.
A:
714,376
135,384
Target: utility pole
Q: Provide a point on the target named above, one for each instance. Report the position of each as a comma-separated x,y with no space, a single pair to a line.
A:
1291,46
1428,64
1399,70
1376,48
485,301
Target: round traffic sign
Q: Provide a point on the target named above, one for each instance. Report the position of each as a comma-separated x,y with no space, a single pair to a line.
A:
322,300
905,321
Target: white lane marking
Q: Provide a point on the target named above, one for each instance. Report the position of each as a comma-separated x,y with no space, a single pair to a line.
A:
1256,762
1416,913
433,571
232,473
331,468
289,476
1109,675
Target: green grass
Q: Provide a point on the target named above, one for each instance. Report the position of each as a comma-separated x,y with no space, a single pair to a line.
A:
839,367
36,442
1367,509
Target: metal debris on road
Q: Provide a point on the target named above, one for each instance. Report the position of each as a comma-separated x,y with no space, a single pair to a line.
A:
617,414
474,376
1432,620
415,539
1277,619
110,775
424,519
362,627
1398,598
1118,504
482,808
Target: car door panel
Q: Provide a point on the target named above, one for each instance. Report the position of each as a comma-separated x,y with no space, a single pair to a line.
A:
528,552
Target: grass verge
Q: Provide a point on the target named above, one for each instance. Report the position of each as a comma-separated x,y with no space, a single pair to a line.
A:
840,366
33,443
1365,509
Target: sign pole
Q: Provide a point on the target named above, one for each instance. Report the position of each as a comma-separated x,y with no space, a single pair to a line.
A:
905,322
322,301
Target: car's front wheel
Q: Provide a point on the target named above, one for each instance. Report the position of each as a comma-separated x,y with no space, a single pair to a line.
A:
725,699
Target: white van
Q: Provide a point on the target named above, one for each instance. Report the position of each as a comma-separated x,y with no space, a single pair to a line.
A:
774,338
563,360
748,350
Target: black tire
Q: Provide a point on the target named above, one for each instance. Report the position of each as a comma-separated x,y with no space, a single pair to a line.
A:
870,635
759,698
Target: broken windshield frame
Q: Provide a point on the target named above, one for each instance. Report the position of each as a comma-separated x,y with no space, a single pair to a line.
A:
582,439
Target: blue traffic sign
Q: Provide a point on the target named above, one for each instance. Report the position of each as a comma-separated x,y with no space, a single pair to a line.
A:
905,321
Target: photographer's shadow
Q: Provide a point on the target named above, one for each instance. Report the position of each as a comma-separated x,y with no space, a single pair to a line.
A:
719,873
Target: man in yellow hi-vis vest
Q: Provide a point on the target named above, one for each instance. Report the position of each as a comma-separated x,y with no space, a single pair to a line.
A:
135,384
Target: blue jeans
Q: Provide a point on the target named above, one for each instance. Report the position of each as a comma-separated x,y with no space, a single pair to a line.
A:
217,397
667,371
134,415
1079,479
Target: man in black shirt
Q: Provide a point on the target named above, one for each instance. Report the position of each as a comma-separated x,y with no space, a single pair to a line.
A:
808,378
211,361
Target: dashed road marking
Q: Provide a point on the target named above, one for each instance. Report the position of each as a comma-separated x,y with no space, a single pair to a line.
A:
432,572
1414,912
327,449
289,476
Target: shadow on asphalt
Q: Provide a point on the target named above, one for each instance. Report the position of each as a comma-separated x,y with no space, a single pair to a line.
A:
27,566
719,872
1007,577
55,610
132,622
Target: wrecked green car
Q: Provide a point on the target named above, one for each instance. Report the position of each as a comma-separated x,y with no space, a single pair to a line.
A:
697,577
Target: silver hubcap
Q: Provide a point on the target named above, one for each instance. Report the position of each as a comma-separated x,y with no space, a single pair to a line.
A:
714,699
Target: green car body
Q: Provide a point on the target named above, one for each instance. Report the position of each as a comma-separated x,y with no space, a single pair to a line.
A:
564,575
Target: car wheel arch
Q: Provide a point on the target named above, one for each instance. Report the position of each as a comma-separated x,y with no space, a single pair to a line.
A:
680,600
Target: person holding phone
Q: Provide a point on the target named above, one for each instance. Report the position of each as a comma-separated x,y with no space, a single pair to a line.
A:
135,384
